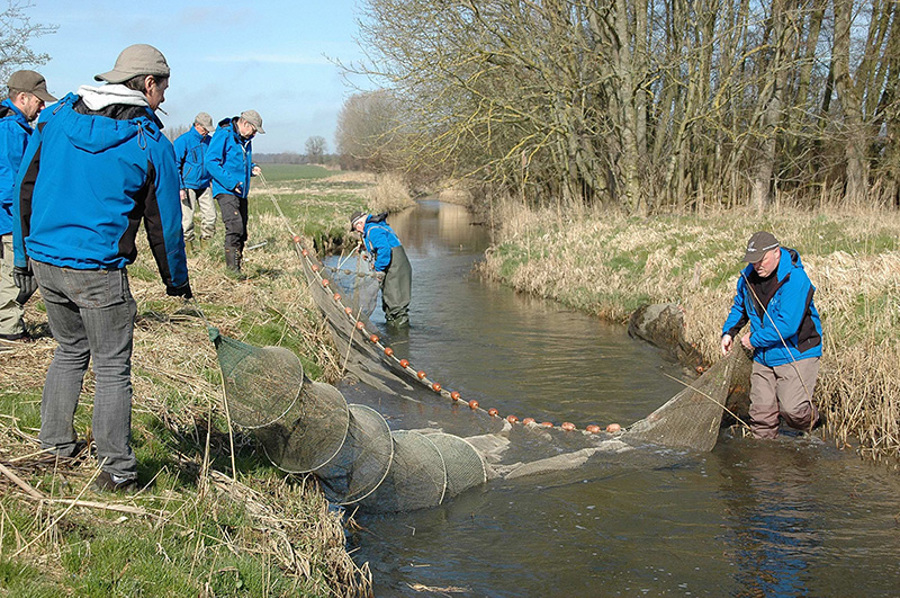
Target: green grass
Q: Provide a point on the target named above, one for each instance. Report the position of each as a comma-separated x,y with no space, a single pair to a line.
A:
293,172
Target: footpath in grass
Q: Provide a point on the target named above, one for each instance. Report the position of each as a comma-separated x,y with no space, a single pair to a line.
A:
207,522
608,264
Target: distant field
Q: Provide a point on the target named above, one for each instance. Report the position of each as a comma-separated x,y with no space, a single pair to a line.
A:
292,172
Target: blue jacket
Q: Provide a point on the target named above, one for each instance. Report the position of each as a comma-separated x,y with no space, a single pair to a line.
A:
87,180
190,152
229,160
790,312
14,133
379,239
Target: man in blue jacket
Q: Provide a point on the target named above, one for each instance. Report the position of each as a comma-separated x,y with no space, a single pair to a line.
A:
190,154
27,96
96,166
776,296
229,161
390,263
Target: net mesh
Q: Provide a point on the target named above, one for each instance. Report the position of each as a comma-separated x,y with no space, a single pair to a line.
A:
255,396
416,479
312,431
363,461
465,467
691,419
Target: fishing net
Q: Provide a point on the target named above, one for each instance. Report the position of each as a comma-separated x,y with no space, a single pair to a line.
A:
310,433
691,419
465,467
417,478
257,397
359,288
363,461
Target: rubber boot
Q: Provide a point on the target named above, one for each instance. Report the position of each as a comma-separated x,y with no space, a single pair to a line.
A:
232,260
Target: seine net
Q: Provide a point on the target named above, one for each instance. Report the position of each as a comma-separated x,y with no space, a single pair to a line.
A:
363,461
257,397
417,478
310,433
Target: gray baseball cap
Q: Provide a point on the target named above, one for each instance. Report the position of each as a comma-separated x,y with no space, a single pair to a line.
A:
253,117
30,82
204,120
759,244
139,59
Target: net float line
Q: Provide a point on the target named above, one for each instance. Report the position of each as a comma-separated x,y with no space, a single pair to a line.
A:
420,376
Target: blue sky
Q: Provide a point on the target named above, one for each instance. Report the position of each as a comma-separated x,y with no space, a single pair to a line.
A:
225,57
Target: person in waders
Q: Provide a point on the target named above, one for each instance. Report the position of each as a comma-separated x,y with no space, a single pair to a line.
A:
776,296
392,268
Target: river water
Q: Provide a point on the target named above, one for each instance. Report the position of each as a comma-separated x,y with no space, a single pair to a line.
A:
793,517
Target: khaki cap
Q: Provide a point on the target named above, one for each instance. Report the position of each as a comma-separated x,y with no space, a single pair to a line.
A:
253,117
356,217
30,82
758,245
139,59
204,120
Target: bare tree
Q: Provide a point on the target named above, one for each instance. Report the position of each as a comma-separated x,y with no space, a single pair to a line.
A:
16,34
315,149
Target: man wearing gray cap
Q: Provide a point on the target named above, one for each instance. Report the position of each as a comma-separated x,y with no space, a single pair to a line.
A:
776,296
229,160
96,166
27,96
190,153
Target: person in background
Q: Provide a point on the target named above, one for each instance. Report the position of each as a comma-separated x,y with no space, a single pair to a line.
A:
776,296
96,166
229,161
27,96
390,263
190,154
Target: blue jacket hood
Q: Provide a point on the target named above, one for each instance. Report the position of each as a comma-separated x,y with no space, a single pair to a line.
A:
96,135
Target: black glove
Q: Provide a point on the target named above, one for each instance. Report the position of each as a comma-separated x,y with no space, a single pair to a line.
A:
24,279
183,290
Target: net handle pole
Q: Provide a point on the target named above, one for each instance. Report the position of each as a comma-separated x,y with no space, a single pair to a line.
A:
271,196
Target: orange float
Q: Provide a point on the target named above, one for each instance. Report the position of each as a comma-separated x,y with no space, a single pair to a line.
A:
593,428
527,420
305,253
348,310
374,338
454,395
547,424
512,419
421,374
297,240
493,412
388,351
314,267
360,325
325,282
337,296
473,404
567,426
404,363
613,428
436,387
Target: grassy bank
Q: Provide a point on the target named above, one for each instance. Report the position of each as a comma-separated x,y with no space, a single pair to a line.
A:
199,527
607,264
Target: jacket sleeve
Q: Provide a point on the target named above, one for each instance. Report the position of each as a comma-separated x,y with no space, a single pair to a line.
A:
378,239
14,140
181,151
737,317
216,156
784,313
162,217
24,191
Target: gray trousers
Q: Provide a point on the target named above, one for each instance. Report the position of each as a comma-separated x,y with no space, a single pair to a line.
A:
783,392
11,311
91,315
204,200
396,291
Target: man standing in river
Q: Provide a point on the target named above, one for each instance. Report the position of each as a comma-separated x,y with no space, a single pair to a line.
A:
776,296
392,268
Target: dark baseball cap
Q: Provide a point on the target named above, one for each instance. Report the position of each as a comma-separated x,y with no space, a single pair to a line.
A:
356,216
30,82
759,244
139,59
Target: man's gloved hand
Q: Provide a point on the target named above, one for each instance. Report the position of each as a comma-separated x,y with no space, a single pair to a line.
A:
24,279
183,290
379,276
